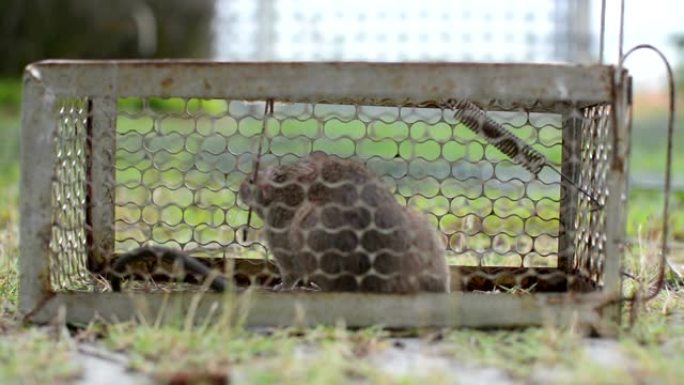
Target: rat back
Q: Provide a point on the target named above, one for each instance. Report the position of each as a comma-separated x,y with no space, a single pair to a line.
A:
349,233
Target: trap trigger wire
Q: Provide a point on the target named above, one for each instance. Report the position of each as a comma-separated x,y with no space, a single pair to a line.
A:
268,113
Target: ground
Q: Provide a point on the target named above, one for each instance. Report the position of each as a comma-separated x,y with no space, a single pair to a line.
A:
649,351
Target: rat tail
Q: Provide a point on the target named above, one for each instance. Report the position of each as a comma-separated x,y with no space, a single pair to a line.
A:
150,259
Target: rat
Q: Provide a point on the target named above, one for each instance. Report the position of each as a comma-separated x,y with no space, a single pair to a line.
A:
331,223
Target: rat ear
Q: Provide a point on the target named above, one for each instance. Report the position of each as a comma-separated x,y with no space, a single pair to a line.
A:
318,156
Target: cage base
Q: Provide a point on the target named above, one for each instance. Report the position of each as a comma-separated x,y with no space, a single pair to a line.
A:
264,309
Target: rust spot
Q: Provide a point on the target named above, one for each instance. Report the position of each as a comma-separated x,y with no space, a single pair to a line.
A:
167,82
618,164
558,299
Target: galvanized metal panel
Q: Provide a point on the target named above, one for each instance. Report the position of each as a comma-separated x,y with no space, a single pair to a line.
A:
379,83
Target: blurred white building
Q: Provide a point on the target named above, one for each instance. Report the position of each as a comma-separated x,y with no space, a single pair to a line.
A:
406,30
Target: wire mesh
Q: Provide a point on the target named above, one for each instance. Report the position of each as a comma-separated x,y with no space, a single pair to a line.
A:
180,163
595,147
68,240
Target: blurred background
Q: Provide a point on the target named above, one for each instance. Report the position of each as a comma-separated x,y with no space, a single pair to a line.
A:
430,30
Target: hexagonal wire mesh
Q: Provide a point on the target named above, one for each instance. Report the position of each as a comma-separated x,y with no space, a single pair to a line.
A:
179,164
129,171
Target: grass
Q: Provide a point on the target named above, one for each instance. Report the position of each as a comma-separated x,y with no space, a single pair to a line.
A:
28,355
653,350
545,354
34,356
9,188
167,352
9,244
517,353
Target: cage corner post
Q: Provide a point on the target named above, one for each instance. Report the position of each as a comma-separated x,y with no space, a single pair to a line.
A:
100,177
616,200
570,153
38,150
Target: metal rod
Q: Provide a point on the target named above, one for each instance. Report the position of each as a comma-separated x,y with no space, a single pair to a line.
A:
668,167
268,112
597,205
602,39
622,28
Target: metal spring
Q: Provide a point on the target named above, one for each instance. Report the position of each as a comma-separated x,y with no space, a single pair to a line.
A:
510,145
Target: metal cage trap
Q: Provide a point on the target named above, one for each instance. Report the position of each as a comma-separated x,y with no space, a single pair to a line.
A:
521,169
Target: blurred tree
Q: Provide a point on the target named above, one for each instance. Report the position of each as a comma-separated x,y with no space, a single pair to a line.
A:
32,30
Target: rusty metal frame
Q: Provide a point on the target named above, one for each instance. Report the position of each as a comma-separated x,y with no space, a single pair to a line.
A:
390,83
38,151
101,127
376,83
568,205
263,309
